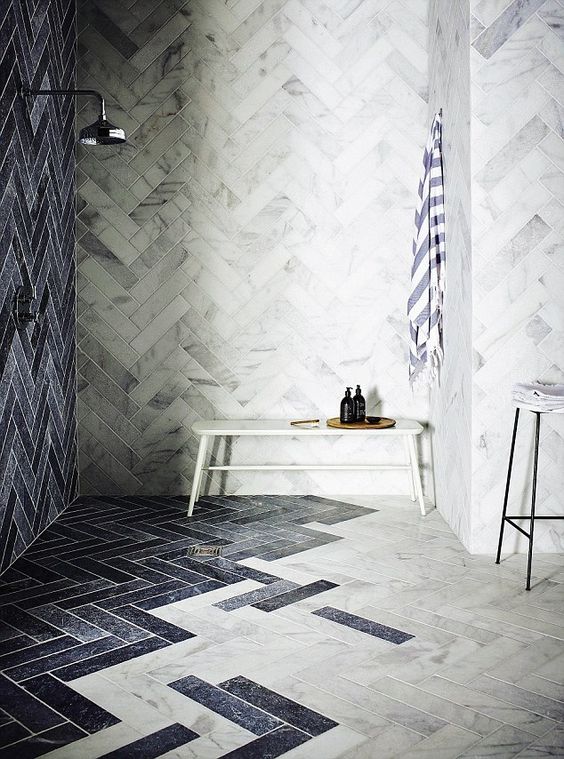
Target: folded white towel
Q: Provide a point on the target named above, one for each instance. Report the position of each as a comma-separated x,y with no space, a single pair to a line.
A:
543,397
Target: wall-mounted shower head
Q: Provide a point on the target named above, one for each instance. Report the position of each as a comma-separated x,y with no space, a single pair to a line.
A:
101,132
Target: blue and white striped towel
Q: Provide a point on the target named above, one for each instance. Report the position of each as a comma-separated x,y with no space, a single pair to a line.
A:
425,304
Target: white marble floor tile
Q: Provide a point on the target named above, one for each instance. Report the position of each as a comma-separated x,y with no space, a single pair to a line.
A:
493,707
175,707
97,744
331,745
505,742
446,743
341,710
215,744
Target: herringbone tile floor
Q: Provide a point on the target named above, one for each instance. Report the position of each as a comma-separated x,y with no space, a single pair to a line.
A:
326,629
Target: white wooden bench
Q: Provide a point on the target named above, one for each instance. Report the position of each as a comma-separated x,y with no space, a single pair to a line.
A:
405,428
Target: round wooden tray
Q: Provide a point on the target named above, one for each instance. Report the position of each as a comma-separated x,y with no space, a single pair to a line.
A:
383,424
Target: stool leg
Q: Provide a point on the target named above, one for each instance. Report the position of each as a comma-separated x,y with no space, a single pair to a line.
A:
509,470
533,499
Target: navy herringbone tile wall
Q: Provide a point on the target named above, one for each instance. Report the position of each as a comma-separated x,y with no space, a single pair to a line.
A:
37,238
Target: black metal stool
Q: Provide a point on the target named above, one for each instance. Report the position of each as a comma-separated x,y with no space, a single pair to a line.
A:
533,516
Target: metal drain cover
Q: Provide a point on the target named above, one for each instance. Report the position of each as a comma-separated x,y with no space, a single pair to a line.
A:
205,550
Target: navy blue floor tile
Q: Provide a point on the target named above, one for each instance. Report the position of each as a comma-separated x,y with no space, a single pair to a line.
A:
102,570
339,515
4,718
153,624
166,547
8,633
76,708
35,571
110,623
118,655
26,709
204,568
11,732
201,535
316,501
99,596
279,706
38,745
81,575
157,531
116,549
67,621
142,571
285,599
252,596
173,570
155,744
76,653
37,650
236,553
179,595
12,583
363,625
145,546
13,644
226,705
60,594
47,547
28,595
87,548
147,591
270,746
247,573
28,624
296,548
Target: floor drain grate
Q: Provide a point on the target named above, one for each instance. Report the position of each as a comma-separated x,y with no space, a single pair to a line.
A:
205,550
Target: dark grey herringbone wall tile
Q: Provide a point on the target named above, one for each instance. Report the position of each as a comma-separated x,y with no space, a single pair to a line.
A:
37,218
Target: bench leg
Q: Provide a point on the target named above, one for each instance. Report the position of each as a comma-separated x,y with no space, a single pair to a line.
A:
415,472
410,473
200,460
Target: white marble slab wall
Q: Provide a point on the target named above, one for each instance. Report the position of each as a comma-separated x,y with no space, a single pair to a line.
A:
450,416
517,69
246,254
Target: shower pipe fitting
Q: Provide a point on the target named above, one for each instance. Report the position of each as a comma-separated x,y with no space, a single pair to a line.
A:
26,92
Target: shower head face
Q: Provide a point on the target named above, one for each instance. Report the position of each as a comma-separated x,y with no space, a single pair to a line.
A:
102,132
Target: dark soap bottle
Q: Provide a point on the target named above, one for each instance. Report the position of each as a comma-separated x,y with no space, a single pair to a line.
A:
359,406
347,407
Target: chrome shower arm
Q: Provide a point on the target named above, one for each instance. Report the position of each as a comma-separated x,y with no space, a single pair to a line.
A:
26,92
101,132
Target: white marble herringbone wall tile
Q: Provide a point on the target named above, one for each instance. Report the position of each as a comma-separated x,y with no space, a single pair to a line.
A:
247,253
450,415
517,69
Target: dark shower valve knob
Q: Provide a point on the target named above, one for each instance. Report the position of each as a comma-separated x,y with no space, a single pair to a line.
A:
23,313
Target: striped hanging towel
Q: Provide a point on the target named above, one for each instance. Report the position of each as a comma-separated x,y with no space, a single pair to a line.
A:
425,304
